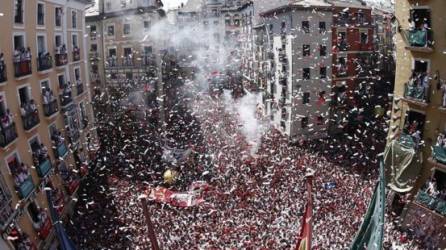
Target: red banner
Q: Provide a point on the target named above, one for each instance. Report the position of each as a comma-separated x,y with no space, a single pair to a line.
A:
304,238
193,197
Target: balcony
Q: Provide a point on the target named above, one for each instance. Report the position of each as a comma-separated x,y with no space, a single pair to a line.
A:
7,135
26,187
61,150
22,67
66,97
76,54
142,62
30,119
44,167
61,56
45,227
74,136
342,45
419,40
50,108
416,94
433,203
44,62
79,88
3,77
94,55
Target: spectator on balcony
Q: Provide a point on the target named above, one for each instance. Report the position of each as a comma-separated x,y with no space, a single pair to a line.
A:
32,106
43,151
20,175
441,140
57,138
443,88
2,65
424,77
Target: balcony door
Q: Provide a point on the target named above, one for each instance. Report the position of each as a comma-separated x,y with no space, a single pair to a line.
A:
24,95
41,45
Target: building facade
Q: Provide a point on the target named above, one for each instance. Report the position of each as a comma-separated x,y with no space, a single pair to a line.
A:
354,61
419,107
47,134
299,41
120,47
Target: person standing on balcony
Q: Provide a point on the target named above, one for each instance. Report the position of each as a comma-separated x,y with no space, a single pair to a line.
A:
17,57
28,58
443,88
2,65
425,85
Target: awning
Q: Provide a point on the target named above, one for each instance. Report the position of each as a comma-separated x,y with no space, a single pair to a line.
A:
402,164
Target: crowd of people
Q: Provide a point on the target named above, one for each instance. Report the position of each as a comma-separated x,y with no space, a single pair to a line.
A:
21,173
256,200
22,61
7,134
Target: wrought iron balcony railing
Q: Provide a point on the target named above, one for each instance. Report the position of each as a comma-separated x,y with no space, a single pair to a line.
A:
44,62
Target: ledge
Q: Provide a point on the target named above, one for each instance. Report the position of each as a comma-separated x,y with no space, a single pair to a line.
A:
44,72
420,49
437,164
32,129
416,102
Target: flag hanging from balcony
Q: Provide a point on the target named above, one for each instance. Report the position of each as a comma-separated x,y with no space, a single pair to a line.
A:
65,242
370,234
304,238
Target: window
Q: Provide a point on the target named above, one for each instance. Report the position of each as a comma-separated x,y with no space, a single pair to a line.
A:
24,95
323,72
227,20
306,74
58,40
77,74
361,18
110,30
129,75
126,29
2,105
306,26
74,19
58,16
342,40
127,52
304,122
306,50
323,50
92,28
364,38
18,11
19,42
93,47
322,27
33,211
147,50
61,80
41,45
74,40
306,98
40,14
146,25
112,52
342,66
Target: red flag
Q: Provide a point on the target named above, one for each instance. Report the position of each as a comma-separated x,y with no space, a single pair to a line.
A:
304,238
